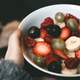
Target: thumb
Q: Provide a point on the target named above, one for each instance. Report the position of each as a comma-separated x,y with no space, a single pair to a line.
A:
14,51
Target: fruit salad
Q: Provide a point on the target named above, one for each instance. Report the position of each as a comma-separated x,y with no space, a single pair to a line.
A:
55,46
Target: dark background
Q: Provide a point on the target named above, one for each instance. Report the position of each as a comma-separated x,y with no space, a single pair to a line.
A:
18,9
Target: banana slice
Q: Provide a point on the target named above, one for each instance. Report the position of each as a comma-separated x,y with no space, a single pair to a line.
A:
73,43
39,39
62,25
71,54
69,71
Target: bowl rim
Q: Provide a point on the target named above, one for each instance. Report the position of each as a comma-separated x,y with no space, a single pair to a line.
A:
34,65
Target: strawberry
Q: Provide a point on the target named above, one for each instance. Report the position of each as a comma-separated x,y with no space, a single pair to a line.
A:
47,21
41,49
65,33
43,33
60,53
77,54
29,42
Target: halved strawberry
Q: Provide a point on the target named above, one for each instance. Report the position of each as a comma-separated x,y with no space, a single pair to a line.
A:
65,33
47,21
41,49
77,54
29,42
60,53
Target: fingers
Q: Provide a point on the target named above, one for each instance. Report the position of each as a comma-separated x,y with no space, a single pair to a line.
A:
15,51
6,32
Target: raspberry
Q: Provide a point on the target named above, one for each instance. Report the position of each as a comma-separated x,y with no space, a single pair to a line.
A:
29,42
47,21
71,63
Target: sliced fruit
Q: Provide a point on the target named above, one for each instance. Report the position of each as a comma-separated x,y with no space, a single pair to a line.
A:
39,39
58,44
55,67
60,53
71,54
34,32
41,49
62,25
73,43
47,21
72,24
59,17
65,33
77,54
53,30
69,71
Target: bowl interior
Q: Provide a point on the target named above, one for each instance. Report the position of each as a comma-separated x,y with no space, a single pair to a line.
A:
35,19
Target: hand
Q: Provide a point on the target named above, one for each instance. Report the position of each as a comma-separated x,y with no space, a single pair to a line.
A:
15,51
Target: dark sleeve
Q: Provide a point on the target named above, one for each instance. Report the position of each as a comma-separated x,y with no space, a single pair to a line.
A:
10,71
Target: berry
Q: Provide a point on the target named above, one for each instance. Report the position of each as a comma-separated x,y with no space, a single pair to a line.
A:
71,63
34,32
65,33
60,53
47,21
55,67
29,42
41,49
59,17
53,30
77,54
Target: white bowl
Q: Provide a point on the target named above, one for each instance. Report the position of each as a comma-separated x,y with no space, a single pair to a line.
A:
36,17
